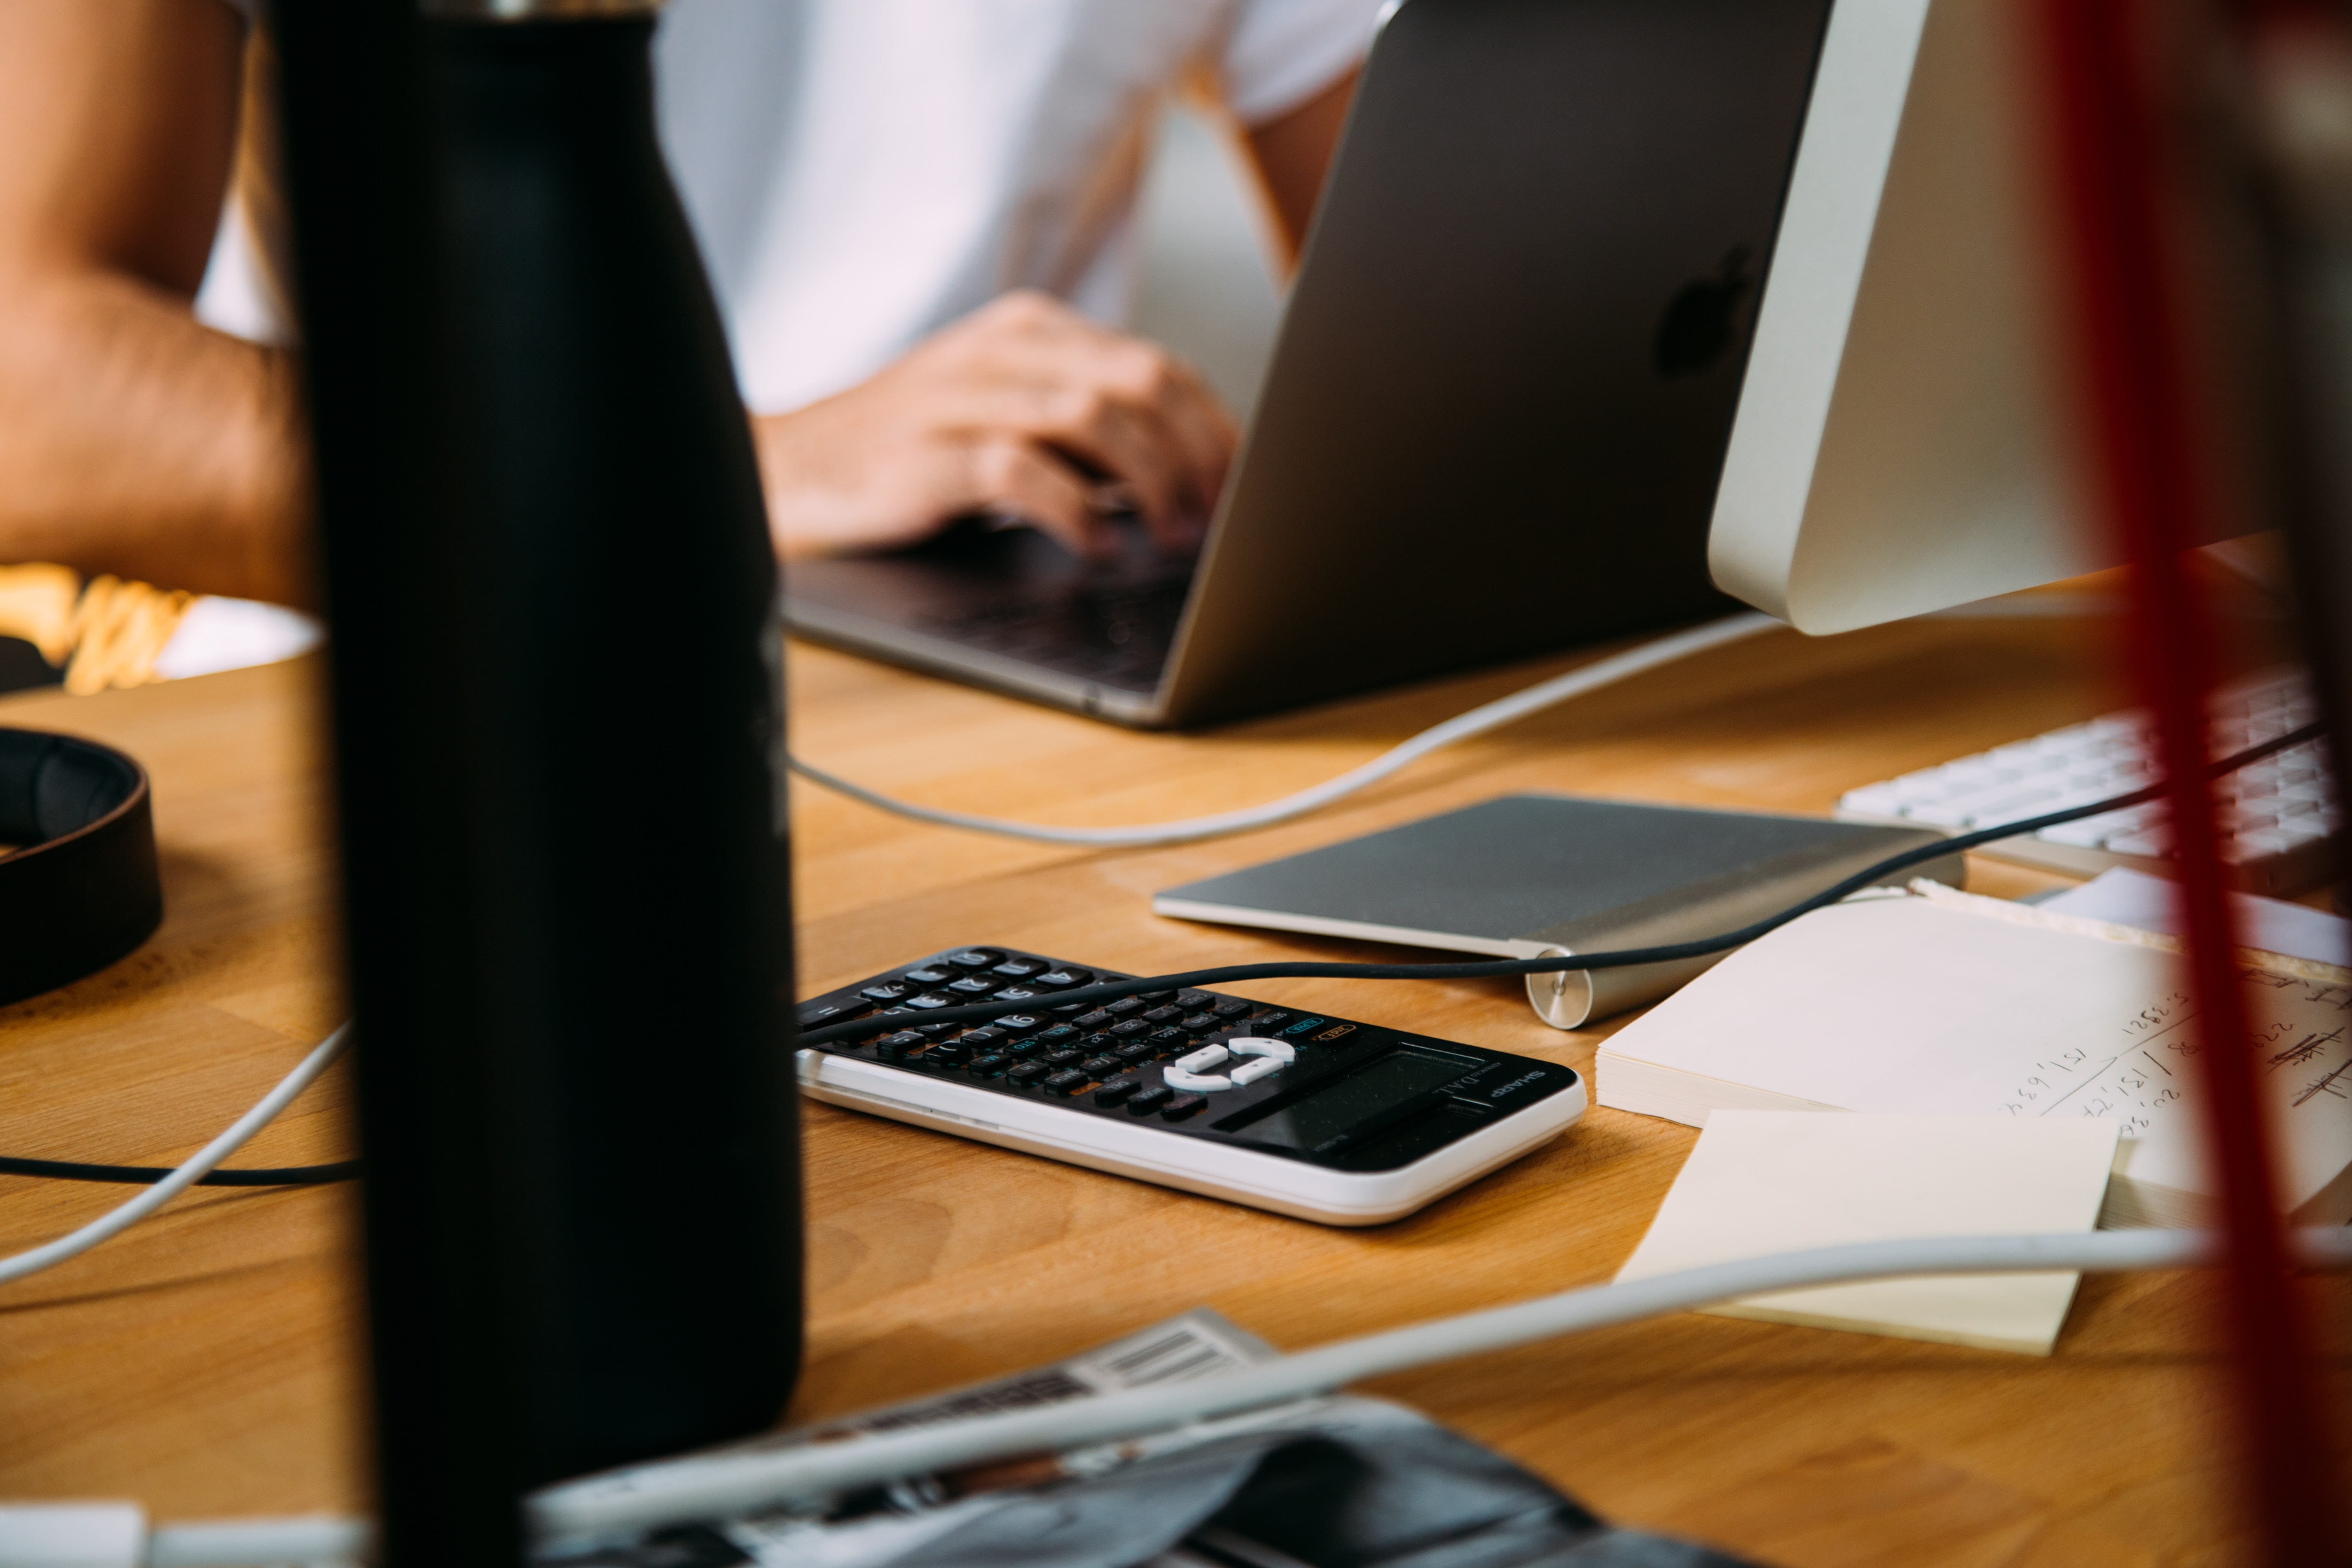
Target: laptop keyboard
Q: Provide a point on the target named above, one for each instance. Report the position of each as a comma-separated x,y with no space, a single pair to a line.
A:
2278,816
1119,634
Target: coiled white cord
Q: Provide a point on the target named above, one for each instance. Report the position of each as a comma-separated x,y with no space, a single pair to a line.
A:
116,1221
729,1485
1477,721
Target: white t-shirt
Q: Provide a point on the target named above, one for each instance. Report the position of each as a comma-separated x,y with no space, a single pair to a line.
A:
863,171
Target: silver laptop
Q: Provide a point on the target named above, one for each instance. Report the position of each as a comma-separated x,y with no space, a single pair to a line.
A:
1498,406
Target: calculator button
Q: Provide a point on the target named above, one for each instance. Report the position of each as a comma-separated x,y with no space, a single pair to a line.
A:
1157,995
1169,1038
981,1036
949,1056
1028,1072
1182,1106
1193,1001
1102,1067
1062,979
1068,1056
1124,1005
928,976
1068,1082
1016,993
1163,1015
1136,1051
1060,1034
1020,1048
1093,1020
972,985
1196,1082
1114,1093
1127,1028
1231,1007
1017,968
1249,1046
1268,1020
1198,1022
1018,1023
886,993
1202,1059
991,1065
1252,1071
891,1048
1336,1035
929,1000
975,958
1147,1100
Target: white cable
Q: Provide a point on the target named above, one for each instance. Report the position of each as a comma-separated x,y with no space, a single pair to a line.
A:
1477,721
725,1486
116,1221
237,1543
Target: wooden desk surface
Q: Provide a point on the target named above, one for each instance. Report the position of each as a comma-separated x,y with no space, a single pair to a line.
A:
206,1363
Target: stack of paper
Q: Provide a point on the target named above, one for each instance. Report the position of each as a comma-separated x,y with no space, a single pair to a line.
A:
1944,1004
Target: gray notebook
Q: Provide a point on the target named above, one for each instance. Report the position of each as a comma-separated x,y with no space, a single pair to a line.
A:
1531,876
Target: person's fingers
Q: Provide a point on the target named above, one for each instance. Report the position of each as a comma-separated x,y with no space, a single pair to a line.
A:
1199,433
1010,475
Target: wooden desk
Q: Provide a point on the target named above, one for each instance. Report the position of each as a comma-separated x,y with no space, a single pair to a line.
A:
205,1362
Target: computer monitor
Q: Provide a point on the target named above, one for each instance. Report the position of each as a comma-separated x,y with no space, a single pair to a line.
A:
1906,429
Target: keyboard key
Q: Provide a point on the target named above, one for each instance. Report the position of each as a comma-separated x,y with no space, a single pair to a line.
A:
1181,1106
928,976
1114,1093
975,958
1147,1100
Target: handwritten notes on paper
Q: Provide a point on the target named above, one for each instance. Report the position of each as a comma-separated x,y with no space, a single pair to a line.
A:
1945,1004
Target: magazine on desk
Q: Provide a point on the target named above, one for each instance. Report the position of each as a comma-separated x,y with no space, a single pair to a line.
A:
1932,1002
1336,1481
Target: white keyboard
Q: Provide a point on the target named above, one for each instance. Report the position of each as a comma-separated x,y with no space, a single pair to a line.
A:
2277,814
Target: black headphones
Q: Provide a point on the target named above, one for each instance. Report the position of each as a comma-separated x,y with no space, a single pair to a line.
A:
81,889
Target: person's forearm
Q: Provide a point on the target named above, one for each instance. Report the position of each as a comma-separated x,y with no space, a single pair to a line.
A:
135,441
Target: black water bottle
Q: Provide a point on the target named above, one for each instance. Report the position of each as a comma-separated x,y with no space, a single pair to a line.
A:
558,716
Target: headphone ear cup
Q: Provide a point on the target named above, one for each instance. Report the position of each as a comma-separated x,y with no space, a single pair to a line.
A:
81,889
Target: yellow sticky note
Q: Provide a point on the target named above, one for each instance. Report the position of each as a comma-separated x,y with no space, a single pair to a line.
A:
1775,1181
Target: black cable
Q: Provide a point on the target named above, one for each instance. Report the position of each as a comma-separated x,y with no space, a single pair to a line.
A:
146,1175
979,1012
348,1170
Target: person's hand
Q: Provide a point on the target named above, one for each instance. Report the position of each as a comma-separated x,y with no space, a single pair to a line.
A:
1024,408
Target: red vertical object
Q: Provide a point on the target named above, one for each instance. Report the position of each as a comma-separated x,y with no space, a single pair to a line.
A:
2109,151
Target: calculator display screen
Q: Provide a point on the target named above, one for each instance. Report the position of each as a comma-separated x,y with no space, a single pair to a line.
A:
1403,1074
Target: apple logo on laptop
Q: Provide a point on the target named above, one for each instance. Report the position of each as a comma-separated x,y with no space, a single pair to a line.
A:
1696,327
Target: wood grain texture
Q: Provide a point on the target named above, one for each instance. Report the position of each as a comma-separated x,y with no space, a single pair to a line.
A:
205,1364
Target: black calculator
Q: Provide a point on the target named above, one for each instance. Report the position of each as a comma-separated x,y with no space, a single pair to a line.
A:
1302,1112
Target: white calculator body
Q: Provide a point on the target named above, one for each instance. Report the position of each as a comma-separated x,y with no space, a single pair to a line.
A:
1303,1113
